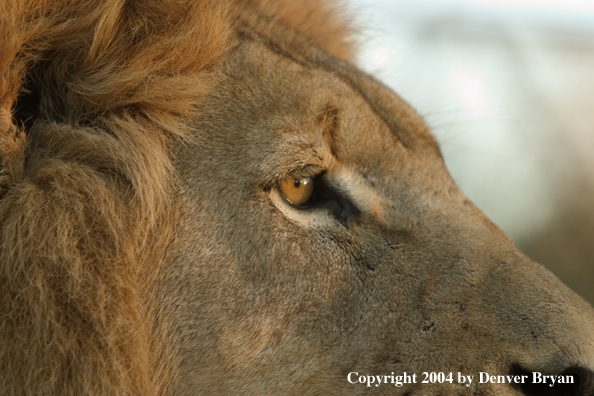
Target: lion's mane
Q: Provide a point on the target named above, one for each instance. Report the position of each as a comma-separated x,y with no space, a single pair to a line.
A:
86,189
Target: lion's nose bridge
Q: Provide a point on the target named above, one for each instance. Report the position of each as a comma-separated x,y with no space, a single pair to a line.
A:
550,331
542,325
535,322
526,318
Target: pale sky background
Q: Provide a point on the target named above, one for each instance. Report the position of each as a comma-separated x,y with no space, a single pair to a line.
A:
507,87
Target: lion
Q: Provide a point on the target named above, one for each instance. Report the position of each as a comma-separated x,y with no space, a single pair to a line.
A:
209,197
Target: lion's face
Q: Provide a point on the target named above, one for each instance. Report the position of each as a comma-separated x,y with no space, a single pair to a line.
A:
244,214
386,268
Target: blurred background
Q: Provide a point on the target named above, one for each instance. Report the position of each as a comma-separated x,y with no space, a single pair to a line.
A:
508,89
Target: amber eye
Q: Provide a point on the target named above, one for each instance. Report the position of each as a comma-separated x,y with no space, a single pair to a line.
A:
297,191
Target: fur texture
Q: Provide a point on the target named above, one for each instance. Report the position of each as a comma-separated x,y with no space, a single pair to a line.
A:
112,83
80,220
145,246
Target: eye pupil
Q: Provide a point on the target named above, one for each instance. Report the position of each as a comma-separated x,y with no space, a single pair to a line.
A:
297,191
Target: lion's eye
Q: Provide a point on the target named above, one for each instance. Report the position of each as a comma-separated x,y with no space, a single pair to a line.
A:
297,191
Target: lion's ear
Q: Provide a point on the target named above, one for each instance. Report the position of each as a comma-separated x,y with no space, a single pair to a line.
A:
17,117
19,105
12,136
12,69
323,21
12,155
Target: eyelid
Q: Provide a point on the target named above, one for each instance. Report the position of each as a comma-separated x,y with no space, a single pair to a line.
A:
311,171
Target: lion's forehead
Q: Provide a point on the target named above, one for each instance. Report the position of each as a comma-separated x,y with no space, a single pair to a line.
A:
305,112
